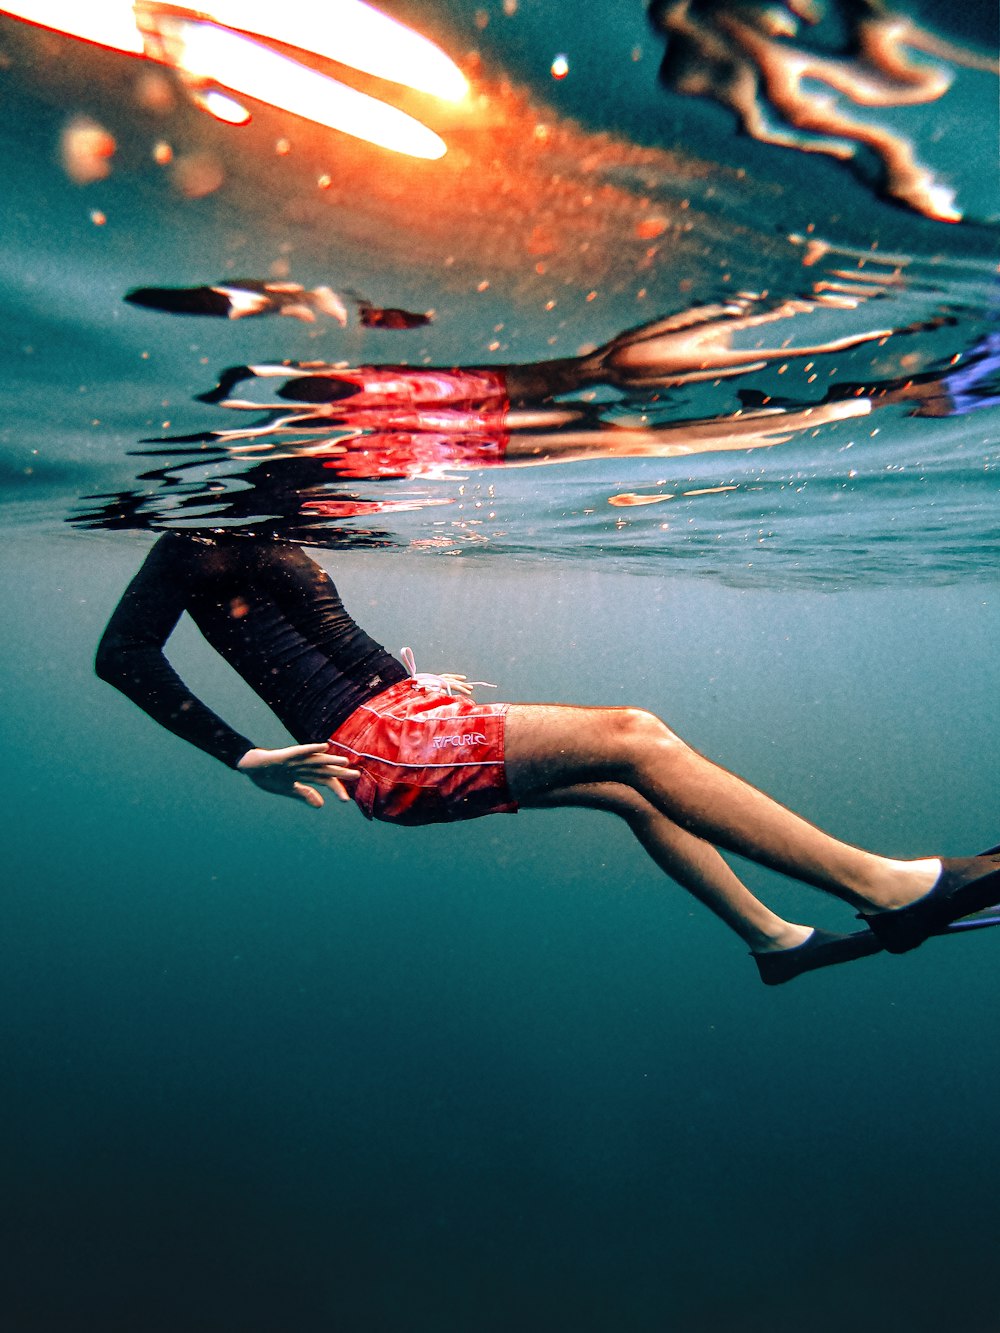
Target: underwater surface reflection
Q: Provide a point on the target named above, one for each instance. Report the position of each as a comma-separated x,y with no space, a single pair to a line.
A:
793,358
625,400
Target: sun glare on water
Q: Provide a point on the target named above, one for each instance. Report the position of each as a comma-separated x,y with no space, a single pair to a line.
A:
206,49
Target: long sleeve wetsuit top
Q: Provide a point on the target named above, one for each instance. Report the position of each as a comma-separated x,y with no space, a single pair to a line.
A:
270,611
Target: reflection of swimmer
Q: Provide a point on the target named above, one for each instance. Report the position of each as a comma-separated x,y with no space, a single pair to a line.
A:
966,388
683,348
241,298
389,317
389,420
400,454
953,391
417,749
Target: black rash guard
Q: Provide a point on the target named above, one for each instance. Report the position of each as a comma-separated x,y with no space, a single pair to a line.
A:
270,611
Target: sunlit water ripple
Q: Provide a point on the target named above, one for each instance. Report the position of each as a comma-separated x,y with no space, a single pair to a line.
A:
834,418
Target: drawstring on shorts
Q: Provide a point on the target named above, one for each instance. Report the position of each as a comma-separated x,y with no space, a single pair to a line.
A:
428,680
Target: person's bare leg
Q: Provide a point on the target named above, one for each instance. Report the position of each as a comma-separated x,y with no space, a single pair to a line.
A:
552,747
693,863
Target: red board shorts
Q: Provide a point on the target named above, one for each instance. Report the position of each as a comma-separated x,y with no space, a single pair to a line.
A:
426,758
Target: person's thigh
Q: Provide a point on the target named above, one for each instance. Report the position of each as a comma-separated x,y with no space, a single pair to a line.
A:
550,746
613,797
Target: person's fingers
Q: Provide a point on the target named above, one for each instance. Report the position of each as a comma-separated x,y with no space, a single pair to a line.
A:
457,683
340,763
462,686
308,794
339,790
293,755
326,760
328,768
287,758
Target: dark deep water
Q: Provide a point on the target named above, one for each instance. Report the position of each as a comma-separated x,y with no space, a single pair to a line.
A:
269,1070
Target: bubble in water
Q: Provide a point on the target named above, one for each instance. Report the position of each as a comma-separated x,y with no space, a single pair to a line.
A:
197,174
86,150
155,93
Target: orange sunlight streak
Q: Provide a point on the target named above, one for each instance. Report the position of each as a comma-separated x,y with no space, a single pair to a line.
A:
211,54
205,49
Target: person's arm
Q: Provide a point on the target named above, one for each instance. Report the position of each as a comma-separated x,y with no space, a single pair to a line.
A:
131,657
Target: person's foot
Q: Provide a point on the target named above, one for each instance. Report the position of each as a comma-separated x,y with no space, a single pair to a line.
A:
821,948
965,885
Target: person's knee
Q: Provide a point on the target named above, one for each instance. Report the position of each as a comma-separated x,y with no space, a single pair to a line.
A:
639,728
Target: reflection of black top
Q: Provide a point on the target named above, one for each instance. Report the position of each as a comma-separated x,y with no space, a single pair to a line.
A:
270,611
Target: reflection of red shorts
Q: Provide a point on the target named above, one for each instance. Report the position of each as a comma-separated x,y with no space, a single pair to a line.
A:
426,758
408,398
388,454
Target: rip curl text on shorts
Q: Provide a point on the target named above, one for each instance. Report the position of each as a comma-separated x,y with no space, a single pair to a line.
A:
426,758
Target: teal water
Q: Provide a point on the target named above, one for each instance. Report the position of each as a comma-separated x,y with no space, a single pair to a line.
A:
271,1069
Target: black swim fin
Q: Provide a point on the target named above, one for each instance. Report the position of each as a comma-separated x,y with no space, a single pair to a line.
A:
821,949
966,887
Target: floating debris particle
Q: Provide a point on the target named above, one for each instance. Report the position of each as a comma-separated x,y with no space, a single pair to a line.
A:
815,249
649,228
628,499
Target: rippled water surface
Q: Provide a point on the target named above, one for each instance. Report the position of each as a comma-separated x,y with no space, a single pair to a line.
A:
820,405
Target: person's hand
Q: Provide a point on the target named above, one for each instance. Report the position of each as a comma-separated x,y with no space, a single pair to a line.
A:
457,684
449,681
291,771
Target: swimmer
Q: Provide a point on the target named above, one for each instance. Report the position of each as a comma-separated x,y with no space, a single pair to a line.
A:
414,748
